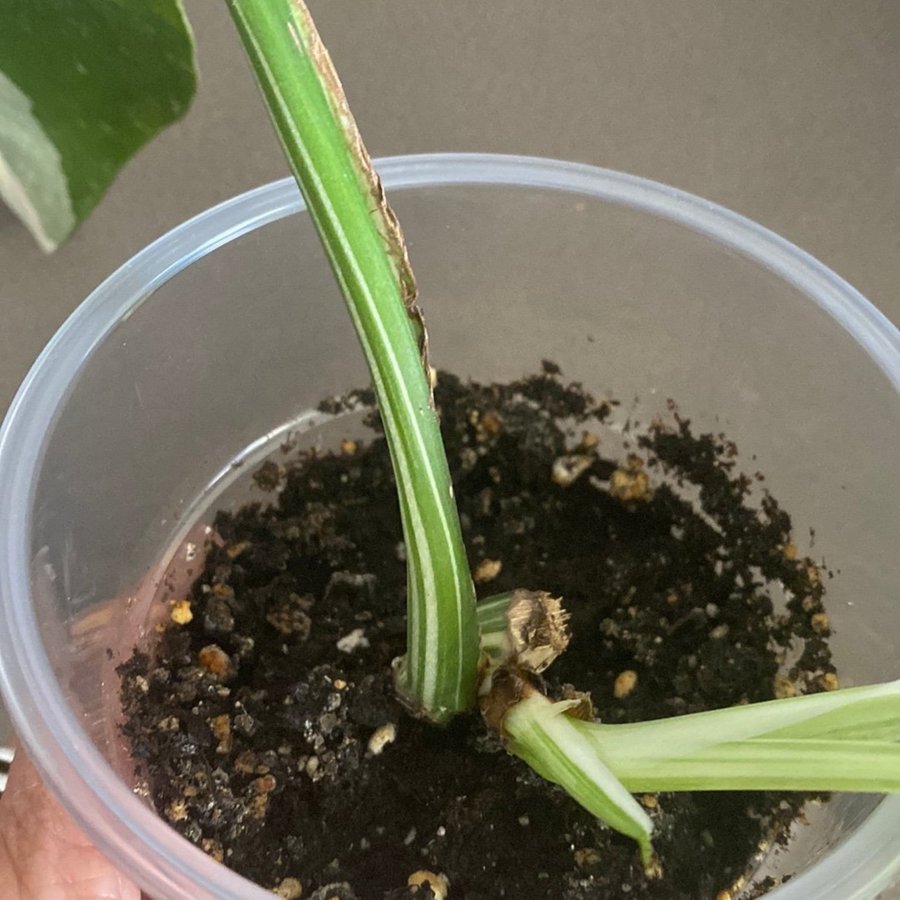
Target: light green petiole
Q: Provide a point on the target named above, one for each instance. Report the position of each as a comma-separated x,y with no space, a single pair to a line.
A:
522,633
845,740
539,732
493,624
366,250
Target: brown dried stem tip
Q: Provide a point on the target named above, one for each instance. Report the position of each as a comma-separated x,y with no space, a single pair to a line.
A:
538,629
536,633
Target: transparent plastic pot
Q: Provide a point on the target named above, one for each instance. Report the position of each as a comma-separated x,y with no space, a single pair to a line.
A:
203,348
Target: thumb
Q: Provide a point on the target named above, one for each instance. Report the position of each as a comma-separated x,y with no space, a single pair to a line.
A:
43,854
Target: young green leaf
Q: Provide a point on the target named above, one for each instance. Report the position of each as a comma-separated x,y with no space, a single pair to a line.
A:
846,740
492,612
83,85
366,249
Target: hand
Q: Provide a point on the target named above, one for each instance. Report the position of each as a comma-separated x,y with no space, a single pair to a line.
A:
43,854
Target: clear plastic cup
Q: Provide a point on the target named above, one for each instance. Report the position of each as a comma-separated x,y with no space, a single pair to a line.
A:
203,348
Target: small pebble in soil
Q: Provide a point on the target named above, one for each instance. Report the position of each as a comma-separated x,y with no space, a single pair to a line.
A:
587,857
352,641
487,570
181,612
440,886
215,661
783,687
625,683
335,891
589,441
630,483
568,469
289,889
381,737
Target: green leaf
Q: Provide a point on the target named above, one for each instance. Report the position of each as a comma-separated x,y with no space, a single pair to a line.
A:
771,765
83,85
846,740
365,247
859,712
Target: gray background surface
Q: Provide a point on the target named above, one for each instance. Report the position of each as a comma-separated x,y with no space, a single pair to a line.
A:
787,112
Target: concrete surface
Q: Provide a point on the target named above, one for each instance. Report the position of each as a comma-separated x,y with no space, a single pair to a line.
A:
785,112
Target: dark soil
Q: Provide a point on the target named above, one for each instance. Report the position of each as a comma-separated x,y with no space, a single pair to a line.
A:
253,723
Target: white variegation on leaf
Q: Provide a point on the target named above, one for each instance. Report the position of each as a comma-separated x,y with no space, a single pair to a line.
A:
32,181
84,84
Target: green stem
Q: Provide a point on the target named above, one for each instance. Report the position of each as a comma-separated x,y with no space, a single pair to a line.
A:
366,250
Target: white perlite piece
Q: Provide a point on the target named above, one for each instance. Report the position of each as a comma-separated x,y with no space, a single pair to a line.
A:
568,469
381,737
355,640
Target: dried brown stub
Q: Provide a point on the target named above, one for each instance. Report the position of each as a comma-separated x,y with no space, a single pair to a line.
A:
537,633
538,629
582,706
507,688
